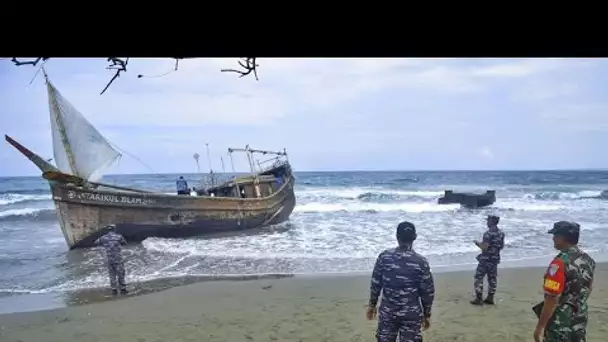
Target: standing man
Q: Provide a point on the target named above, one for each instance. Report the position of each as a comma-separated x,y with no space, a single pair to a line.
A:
493,242
567,286
182,186
112,242
408,290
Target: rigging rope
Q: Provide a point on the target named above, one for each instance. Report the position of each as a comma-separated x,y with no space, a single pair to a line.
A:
132,156
37,72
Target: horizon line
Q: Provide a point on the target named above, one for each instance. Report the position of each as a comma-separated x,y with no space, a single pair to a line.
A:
348,171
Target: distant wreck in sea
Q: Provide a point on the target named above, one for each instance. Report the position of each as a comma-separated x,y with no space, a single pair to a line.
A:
468,200
85,206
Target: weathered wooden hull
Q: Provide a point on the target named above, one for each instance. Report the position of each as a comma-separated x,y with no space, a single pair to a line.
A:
82,213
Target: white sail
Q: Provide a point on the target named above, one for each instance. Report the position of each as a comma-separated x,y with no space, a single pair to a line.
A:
79,149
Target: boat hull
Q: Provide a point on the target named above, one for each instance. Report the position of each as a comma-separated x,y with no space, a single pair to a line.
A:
83,213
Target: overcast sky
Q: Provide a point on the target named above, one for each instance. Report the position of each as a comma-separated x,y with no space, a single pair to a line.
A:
330,114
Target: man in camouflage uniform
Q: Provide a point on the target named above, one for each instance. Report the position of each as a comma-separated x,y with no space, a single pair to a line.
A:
112,242
567,286
408,290
491,245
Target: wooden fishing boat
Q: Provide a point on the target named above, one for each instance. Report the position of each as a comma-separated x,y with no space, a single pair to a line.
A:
84,205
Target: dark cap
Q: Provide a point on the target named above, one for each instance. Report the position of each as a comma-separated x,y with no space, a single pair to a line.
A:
406,231
565,228
494,218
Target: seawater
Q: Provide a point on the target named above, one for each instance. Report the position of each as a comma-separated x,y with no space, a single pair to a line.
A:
341,222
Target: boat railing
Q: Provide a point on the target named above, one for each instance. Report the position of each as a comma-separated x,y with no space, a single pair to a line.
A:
276,164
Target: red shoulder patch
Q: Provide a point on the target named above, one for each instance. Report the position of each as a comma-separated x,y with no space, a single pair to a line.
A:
555,278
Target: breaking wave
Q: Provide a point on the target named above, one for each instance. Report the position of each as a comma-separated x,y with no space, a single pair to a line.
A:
556,195
28,214
32,191
366,194
373,207
376,200
14,198
388,195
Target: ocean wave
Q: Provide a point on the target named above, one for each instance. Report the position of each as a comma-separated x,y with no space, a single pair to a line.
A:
166,281
412,207
44,191
557,195
383,195
398,181
374,207
379,196
13,198
525,206
366,194
90,281
25,214
201,249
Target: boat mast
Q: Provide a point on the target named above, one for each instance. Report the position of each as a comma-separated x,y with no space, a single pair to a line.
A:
250,158
198,168
55,113
256,181
236,183
210,168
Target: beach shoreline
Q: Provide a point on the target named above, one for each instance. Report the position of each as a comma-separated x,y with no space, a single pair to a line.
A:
41,300
341,223
299,308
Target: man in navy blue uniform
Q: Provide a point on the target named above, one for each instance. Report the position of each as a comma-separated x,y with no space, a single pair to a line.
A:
112,242
408,290
493,242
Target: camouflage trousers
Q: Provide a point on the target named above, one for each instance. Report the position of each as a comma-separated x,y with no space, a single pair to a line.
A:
391,328
489,269
566,326
116,271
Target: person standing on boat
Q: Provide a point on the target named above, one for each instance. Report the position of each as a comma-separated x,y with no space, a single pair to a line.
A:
182,186
491,245
408,290
112,242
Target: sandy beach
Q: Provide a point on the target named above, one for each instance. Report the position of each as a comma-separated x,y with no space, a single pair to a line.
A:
325,308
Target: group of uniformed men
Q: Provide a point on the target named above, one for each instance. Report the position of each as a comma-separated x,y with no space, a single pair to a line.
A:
408,290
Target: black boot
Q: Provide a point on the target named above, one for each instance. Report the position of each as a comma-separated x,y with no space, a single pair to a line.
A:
114,292
478,300
489,299
124,291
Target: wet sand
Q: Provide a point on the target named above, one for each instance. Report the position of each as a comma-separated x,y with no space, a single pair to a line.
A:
325,308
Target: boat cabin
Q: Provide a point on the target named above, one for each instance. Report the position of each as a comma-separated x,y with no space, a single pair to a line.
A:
252,186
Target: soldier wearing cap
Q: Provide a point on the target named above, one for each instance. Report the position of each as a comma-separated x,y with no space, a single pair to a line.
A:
491,245
408,290
567,286
112,242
